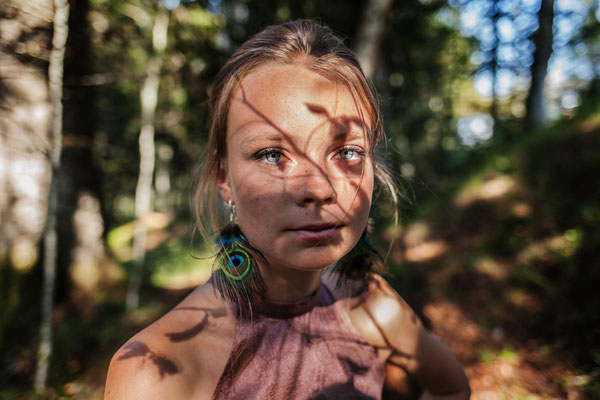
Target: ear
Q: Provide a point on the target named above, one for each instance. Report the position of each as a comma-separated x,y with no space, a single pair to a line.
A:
223,182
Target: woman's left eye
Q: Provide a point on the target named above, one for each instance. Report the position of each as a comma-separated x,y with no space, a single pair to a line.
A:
350,153
270,156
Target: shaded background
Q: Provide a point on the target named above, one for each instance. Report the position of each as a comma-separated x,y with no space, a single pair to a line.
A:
492,111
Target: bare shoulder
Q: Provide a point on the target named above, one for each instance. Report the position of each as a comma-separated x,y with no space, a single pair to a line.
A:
412,346
179,356
386,320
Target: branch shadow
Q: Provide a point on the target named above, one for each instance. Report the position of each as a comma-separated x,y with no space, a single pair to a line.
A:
164,365
206,321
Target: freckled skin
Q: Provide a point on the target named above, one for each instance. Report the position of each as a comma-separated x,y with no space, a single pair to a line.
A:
298,112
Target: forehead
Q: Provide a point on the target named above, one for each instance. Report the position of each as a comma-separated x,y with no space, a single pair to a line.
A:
292,99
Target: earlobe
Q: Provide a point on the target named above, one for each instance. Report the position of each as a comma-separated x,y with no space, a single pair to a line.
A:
223,184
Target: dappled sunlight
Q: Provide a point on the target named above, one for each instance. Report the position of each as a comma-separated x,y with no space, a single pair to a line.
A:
497,370
415,245
491,189
522,209
524,300
416,233
492,267
187,279
591,124
455,328
23,254
384,309
549,248
120,238
426,251
171,261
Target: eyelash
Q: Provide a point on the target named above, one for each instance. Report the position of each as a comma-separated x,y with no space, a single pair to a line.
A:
261,154
358,150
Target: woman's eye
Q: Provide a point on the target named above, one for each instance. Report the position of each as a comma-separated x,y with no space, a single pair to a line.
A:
272,157
350,153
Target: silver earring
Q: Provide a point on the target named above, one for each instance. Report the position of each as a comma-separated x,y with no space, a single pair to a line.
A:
231,211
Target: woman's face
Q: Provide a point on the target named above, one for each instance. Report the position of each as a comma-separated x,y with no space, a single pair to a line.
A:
298,166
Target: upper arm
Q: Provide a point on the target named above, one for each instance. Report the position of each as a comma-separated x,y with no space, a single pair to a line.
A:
412,346
140,370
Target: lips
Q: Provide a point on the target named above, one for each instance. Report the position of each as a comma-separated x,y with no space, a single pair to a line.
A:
316,232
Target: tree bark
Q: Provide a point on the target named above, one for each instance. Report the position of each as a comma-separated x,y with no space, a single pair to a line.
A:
143,191
25,30
493,64
55,80
543,38
82,258
370,34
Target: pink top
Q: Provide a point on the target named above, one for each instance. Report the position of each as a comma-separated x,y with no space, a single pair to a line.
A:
303,350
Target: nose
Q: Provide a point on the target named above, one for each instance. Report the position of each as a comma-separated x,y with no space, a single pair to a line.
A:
314,186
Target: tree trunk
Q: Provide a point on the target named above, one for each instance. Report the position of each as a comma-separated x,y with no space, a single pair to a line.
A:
143,190
82,262
543,38
25,30
493,64
370,34
55,80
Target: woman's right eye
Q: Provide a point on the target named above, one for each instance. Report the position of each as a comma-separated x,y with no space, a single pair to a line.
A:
273,157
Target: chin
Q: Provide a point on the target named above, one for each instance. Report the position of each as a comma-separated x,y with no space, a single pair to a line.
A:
315,259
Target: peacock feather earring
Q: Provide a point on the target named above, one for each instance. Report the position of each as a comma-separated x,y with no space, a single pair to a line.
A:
237,277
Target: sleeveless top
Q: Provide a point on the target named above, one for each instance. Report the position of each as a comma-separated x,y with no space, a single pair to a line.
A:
302,350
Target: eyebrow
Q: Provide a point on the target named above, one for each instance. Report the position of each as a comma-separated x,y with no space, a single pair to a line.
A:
268,136
347,129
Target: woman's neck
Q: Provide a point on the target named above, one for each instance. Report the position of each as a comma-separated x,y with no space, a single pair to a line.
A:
286,284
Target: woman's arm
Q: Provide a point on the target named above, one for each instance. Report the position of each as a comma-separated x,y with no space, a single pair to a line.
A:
414,348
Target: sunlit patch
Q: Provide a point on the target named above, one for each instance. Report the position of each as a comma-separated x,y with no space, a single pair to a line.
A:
490,190
385,309
426,251
563,245
119,239
23,254
454,327
491,267
522,209
524,300
416,233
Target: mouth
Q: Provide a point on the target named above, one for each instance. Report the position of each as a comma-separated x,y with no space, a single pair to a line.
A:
317,232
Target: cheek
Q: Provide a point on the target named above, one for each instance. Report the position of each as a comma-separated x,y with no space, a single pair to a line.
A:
256,203
358,195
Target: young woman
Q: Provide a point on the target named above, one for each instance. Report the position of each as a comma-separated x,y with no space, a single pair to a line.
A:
294,309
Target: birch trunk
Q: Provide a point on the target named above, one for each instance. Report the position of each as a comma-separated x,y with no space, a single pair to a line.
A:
83,262
370,34
143,190
55,80
543,38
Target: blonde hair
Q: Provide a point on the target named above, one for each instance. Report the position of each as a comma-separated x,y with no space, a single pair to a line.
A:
301,42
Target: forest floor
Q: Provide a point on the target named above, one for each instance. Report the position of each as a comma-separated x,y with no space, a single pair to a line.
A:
469,299
504,269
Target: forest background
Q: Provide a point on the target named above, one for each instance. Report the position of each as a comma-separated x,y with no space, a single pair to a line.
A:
492,114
